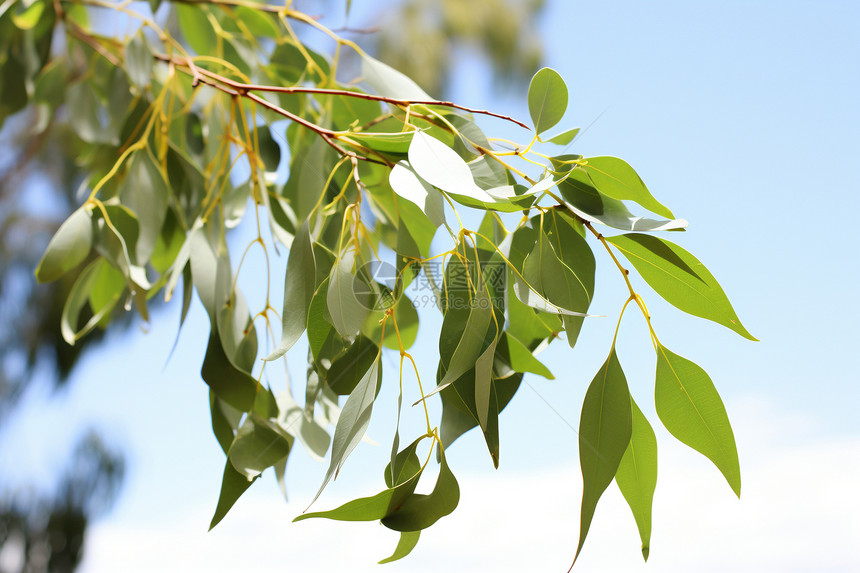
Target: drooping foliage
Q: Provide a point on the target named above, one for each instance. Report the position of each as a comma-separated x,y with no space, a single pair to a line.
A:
227,113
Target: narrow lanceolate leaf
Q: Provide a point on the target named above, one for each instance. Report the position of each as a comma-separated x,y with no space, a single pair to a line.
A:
691,409
353,421
547,99
233,485
604,433
440,166
615,178
679,278
469,347
408,541
68,248
407,185
637,475
145,192
347,312
299,290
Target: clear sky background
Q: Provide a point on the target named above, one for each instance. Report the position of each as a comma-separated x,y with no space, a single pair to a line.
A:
743,117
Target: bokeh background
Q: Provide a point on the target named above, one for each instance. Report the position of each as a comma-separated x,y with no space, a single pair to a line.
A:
742,116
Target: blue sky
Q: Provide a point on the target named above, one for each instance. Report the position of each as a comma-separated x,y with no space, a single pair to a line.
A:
742,117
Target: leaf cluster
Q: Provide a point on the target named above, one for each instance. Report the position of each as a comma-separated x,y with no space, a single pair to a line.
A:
183,136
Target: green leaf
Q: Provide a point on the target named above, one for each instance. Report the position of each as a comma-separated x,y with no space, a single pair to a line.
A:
353,421
230,383
346,310
348,369
565,137
680,278
294,421
107,288
196,28
270,151
516,356
233,485
299,291
440,166
80,293
225,421
138,61
261,24
259,444
691,409
589,204
388,82
407,324
27,18
547,99
408,541
407,185
604,433
637,474
145,192
382,504
470,341
386,142
549,285
459,413
484,383
68,248
613,177
421,511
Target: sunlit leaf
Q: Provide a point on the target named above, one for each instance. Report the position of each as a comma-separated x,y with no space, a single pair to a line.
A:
547,99
353,421
259,444
408,541
679,278
604,434
637,474
68,248
691,409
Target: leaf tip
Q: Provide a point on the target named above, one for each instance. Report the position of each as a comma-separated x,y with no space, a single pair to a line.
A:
645,551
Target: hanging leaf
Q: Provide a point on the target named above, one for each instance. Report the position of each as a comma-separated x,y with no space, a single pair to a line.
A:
385,502
348,369
420,511
691,409
145,192
408,541
604,434
346,310
547,99
259,444
68,248
299,290
637,474
680,278
406,184
353,421
233,485
138,61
